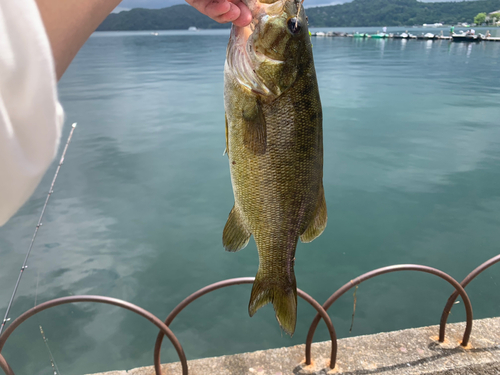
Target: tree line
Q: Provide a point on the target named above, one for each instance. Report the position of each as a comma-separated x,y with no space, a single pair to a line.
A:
355,13
398,13
176,17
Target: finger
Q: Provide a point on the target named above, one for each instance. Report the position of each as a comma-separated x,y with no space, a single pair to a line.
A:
231,15
211,8
245,15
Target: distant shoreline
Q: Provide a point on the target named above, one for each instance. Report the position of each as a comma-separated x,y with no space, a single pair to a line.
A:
358,13
317,28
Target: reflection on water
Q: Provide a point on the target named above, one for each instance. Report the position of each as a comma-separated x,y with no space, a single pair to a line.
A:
411,176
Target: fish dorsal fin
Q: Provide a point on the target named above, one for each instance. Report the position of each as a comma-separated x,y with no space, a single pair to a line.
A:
255,130
318,223
235,236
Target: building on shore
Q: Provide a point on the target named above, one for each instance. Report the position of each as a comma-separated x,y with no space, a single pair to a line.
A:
497,12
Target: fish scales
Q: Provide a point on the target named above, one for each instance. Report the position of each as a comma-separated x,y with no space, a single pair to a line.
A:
275,149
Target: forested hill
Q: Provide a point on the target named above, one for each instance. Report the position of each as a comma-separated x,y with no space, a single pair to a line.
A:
176,17
398,13
356,13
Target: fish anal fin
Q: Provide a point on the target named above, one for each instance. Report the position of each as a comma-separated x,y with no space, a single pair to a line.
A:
255,130
235,235
318,223
283,297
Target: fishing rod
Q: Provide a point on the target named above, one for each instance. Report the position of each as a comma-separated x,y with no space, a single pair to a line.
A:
25,264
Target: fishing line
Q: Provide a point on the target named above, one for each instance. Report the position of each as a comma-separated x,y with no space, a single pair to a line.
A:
25,264
36,289
53,363
354,307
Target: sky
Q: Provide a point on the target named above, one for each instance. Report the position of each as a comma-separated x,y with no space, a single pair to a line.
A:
155,4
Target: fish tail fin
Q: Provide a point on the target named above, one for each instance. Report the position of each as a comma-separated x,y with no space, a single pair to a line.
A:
282,294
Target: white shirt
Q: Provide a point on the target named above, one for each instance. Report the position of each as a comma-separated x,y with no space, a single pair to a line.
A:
31,116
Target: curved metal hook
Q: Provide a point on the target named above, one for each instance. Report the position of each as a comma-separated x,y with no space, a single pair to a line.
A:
98,299
471,276
380,271
225,283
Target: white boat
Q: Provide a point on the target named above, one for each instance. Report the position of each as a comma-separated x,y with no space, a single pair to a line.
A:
192,28
320,33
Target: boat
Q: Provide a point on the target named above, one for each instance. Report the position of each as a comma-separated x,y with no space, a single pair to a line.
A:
378,36
401,36
320,33
426,36
437,24
358,35
192,28
464,37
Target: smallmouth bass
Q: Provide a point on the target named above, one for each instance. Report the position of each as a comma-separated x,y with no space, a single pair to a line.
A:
274,142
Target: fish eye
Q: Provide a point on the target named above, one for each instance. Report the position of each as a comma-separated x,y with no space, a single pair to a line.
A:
294,25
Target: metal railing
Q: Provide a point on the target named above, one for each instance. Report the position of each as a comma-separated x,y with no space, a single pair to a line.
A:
321,310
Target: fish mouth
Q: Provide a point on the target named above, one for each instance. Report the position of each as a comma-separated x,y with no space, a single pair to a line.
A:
243,58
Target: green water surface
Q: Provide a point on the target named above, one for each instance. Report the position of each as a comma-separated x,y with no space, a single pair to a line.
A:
412,175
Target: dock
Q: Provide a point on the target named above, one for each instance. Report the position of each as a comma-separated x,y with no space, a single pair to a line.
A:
428,36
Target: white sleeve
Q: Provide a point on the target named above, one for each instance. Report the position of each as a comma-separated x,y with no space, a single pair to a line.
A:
31,116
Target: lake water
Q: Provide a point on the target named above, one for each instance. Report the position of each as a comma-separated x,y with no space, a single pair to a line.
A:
412,175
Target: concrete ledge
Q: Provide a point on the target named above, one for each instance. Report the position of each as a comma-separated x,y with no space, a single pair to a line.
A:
408,352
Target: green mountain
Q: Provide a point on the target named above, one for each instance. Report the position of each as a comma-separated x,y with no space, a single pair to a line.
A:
355,13
176,17
398,13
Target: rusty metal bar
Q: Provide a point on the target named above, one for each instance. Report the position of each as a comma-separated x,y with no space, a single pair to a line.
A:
381,271
225,283
471,276
5,366
98,299
328,322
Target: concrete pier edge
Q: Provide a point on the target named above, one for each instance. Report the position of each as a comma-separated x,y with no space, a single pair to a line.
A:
406,352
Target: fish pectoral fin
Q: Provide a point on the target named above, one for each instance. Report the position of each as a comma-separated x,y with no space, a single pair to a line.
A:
282,296
255,130
235,235
318,223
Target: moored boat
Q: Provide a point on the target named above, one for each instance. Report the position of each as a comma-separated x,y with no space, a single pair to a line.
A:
401,36
378,36
464,37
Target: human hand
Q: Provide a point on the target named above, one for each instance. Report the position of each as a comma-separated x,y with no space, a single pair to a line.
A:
223,11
